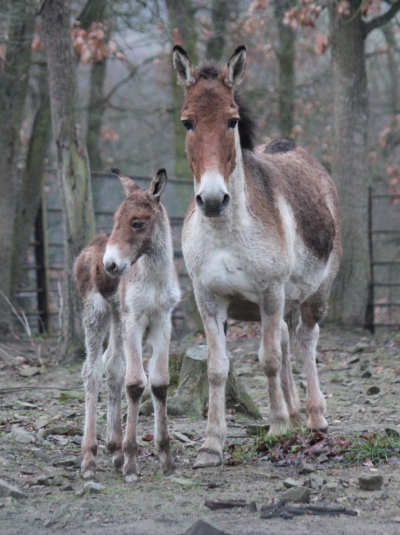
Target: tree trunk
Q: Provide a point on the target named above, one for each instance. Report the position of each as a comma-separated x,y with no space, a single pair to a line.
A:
13,88
73,163
183,29
216,43
31,187
95,11
286,54
350,170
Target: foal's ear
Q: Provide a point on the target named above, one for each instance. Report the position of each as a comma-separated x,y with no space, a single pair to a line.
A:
127,183
158,183
232,73
183,67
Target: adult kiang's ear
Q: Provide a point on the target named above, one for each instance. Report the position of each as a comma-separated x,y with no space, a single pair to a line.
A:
127,183
158,183
183,67
233,72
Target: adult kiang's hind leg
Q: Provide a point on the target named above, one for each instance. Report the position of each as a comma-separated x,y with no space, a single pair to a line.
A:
287,381
312,311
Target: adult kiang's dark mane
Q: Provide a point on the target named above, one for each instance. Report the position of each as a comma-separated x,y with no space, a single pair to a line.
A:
208,70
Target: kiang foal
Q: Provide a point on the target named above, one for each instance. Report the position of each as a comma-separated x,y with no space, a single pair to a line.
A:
261,237
129,287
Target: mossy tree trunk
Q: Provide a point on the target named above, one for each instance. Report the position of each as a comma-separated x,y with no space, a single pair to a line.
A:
14,70
286,54
32,177
95,11
350,165
73,164
219,18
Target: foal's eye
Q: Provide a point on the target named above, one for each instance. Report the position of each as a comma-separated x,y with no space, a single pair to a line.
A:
232,123
137,224
188,125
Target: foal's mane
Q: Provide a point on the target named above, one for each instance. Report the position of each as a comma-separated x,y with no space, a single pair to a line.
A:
208,70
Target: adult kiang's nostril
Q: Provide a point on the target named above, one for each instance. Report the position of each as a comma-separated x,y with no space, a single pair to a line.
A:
199,201
226,200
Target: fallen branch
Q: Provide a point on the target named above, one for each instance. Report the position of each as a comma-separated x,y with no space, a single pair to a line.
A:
228,504
288,512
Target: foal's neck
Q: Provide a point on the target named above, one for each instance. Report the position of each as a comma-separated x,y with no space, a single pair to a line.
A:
158,260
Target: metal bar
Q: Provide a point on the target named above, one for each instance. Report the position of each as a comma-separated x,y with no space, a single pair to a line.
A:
385,231
385,195
387,284
383,305
386,262
369,313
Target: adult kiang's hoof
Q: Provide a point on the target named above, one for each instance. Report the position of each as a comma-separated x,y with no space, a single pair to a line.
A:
207,458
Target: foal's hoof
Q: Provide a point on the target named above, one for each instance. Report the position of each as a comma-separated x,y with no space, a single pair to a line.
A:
168,467
118,460
131,478
317,423
208,458
88,474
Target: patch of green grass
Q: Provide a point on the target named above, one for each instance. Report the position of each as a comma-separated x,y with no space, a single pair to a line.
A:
244,454
375,448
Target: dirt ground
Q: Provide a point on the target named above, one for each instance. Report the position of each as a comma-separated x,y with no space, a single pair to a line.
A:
46,401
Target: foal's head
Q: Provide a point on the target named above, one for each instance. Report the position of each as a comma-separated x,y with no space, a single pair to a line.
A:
210,116
134,223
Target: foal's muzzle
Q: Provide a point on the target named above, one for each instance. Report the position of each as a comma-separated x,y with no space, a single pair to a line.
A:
213,206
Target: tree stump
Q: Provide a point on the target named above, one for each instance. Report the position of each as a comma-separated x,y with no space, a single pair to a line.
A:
191,396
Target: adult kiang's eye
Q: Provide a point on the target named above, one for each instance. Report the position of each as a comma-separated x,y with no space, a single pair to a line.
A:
232,123
137,224
188,125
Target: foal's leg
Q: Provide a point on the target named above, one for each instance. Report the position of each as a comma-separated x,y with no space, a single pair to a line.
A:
159,338
214,313
114,363
307,335
287,381
270,355
135,382
95,325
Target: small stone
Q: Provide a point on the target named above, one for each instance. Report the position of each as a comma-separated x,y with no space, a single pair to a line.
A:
42,480
57,481
307,468
72,394
41,455
370,481
8,490
323,458
291,483
181,437
355,358
91,487
360,346
22,436
332,485
316,481
77,440
41,422
201,527
369,372
70,461
298,495
29,371
384,495
373,390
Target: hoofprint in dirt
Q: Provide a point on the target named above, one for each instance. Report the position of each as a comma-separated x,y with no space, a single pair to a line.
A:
41,419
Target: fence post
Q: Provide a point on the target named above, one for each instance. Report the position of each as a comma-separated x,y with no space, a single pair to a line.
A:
369,316
42,273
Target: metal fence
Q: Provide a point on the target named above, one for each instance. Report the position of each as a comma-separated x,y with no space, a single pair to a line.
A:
384,235
40,297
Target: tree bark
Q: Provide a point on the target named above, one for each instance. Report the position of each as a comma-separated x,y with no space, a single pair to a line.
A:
31,188
73,163
216,43
350,170
95,11
13,88
183,29
286,54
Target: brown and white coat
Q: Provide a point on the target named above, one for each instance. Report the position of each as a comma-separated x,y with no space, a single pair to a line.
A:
261,237
129,287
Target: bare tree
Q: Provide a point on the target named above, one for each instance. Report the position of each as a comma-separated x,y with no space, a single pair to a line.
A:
348,31
16,41
73,163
